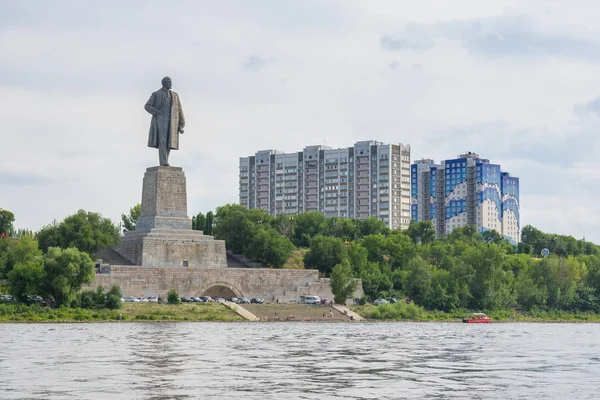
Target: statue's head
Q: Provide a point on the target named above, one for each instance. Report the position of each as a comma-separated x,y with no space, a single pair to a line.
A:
166,82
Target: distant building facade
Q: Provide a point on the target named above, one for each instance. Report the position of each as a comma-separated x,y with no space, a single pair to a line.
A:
369,179
467,190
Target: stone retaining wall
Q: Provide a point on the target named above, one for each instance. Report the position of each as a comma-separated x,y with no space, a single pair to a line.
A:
270,284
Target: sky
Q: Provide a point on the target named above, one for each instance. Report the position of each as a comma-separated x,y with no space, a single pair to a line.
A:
517,82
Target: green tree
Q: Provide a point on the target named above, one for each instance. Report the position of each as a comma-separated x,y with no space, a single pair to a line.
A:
17,251
343,285
492,236
199,222
86,231
26,279
269,248
421,232
116,290
208,225
372,226
130,220
173,297
6,222
235,227
113,302
307,225
66,270
325,252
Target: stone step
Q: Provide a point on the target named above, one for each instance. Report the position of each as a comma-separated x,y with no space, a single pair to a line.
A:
109,256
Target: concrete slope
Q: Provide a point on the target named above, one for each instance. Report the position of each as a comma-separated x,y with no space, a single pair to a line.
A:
345,310
242,312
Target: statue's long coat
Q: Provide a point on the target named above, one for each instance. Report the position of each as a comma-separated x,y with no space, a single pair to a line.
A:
159,124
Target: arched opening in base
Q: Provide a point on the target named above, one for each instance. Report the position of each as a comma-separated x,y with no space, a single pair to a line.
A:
220,291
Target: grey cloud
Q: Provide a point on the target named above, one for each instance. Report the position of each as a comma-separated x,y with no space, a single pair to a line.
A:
22,179
255,63
592,106
413,38
494,37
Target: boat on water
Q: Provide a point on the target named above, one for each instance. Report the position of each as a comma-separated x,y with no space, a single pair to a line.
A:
477,318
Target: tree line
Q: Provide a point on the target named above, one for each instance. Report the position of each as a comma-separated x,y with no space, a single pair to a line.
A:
464,270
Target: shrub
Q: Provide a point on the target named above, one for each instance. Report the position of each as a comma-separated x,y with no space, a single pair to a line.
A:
173,297
113,301
116,290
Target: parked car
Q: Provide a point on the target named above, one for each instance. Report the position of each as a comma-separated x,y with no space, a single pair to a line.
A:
153,299
132,299
312,300
220,300
186,300
6,298
380,301
393,300
256,300
243,300
206,299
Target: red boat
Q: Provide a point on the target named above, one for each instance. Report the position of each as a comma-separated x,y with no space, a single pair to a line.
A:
477,318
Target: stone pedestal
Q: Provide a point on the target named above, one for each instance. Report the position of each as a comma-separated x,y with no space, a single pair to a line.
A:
163,236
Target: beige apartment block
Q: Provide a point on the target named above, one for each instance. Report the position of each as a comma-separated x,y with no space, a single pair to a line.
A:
369,179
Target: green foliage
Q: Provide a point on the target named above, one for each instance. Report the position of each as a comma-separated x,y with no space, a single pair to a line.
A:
372,226
199,222
115,290
465,270
269,248
421,232
325,252
208,225
16,251
173,296
6,222
398,311
86,231
113,302
235,227
66,270
130,220
533,241
343,284
26,279
307,225
98,299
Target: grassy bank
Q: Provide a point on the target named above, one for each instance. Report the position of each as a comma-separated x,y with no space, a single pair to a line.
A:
412,312
129,312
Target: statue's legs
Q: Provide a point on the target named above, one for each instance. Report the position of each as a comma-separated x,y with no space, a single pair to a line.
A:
163,150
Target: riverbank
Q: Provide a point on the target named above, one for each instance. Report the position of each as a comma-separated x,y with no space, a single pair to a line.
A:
129,312
193,312
412,312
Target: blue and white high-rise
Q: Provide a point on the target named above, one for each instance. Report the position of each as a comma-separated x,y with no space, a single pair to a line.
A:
467,190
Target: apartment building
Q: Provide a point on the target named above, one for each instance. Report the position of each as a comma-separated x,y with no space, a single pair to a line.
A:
369,179
465,190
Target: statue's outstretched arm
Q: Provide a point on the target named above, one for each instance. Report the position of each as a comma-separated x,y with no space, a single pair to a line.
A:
150,105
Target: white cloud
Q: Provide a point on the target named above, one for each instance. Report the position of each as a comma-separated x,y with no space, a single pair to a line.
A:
511,81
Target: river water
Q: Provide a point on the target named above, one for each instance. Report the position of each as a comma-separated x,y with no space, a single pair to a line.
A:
299,361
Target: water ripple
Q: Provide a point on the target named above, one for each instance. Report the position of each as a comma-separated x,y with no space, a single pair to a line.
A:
298,361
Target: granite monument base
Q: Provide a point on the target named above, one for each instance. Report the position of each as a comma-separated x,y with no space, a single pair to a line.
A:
163,236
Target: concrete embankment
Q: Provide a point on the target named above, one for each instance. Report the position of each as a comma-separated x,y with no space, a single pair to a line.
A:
346,311
242,312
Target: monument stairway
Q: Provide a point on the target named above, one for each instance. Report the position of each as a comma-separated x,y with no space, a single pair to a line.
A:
109,256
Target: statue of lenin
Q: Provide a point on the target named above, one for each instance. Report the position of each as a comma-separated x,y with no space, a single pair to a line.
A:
167,121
